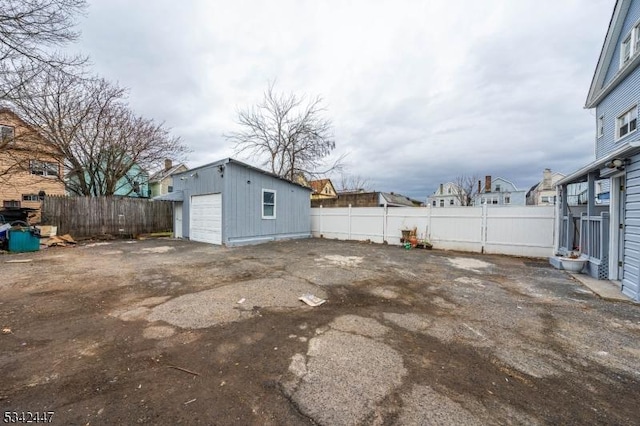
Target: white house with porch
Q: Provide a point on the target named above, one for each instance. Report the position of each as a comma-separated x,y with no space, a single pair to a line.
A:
608,234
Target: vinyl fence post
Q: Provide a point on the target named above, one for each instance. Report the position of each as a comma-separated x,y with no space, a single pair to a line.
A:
483,233
349,219
385,224
320,215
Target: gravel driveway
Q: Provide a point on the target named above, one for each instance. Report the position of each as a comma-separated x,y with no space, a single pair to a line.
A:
166,331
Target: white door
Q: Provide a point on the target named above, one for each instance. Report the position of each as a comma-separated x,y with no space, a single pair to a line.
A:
205,223
177,220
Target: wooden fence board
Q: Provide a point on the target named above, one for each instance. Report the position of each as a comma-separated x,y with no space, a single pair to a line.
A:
118,216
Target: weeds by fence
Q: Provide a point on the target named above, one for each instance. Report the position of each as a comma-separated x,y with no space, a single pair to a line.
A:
118,216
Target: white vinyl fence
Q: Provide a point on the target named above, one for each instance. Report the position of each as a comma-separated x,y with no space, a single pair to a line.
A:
520,231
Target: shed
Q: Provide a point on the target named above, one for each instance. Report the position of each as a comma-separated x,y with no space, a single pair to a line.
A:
232,203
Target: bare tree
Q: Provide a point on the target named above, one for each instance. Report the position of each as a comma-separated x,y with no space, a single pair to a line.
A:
30,30
103,144
466,188
287,133
352,183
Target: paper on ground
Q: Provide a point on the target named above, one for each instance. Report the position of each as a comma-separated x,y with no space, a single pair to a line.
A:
311,300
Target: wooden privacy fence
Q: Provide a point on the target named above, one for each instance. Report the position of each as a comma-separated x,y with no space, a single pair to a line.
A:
118,216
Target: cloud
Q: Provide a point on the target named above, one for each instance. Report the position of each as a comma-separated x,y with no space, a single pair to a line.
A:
419,92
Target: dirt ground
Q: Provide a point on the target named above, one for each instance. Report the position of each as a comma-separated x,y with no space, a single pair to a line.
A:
174,332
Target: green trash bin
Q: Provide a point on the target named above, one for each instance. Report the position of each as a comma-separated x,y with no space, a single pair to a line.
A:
23,240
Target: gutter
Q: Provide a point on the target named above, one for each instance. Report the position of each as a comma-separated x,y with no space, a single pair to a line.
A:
623,151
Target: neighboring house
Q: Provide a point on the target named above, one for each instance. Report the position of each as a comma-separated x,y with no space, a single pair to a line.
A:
322,189
29,166
134,184
544,192
367,199
609,235
161,182
232,203
499,191
447,195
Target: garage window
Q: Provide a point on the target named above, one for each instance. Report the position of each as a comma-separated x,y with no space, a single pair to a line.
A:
268,204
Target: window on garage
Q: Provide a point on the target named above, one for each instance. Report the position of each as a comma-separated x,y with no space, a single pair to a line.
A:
268,204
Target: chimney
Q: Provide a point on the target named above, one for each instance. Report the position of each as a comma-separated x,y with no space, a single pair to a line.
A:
441,190
546,179
168,164
487,183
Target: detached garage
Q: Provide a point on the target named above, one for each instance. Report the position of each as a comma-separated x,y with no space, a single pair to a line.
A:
232,203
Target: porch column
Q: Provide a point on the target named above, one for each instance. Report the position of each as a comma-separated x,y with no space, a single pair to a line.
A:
591,211
566,227
591,196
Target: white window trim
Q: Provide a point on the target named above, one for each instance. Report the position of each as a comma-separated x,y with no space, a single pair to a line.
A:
623,58
633,38
275,202
44,167
600,124
627,111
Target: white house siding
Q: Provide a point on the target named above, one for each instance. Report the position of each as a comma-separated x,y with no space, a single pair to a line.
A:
631,275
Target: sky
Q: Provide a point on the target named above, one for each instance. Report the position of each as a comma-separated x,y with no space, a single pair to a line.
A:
419,92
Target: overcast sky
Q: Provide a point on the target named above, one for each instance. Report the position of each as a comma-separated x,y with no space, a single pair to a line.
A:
419,92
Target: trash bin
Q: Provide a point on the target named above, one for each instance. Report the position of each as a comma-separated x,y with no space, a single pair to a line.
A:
23,240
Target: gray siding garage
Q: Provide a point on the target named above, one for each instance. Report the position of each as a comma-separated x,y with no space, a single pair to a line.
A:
232,203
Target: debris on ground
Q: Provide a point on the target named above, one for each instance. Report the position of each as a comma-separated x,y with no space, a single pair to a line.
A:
6,330
47,230
311,300
19,261
183,369
60,241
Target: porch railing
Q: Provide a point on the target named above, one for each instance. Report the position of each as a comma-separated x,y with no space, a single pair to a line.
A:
567,231
594,236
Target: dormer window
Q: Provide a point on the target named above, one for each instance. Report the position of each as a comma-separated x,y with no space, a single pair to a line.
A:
627,122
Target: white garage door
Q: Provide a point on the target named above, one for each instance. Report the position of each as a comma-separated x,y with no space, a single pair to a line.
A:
206,218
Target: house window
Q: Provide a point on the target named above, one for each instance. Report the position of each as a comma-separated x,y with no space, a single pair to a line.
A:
450,202
43,168
497,188
448,190
170,188
268,204
601,123
494,201
30,197
441,203
627,122
625,51
507,200
10,203
433,203
6,134
136,187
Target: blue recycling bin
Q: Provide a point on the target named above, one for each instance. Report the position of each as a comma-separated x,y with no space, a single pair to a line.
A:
23,240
